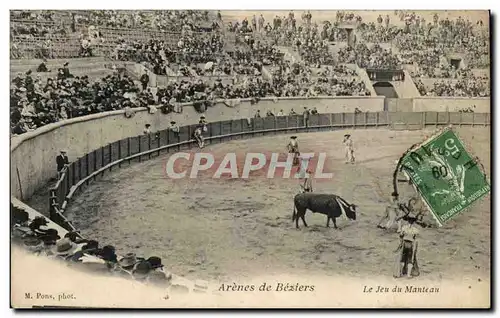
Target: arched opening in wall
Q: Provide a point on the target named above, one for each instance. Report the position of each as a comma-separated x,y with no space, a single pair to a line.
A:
385,89
455,63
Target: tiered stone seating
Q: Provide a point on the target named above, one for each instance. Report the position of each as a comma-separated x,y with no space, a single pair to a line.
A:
94,68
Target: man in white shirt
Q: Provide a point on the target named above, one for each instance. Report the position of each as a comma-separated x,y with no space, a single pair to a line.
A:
349,149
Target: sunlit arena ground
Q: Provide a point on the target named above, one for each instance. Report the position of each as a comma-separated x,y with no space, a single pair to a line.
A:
218,229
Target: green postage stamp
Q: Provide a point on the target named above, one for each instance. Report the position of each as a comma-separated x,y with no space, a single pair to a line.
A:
447,177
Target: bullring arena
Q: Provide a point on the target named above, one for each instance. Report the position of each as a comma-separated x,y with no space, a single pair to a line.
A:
114,188
201,226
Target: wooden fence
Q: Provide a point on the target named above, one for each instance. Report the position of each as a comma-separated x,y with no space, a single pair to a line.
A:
136,149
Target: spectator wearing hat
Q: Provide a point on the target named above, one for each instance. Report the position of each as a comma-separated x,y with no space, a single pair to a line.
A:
62,161
42,67
127,262
203,123
147,129
37,223
85,261
174,128
19,216
155,263
141,271
107,253
64,248
50,237
33,244
18,233
91,247
75,238
269,113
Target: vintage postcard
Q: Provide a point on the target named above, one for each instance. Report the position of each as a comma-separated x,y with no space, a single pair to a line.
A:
250,159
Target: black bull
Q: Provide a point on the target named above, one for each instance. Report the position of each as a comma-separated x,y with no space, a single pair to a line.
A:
328,204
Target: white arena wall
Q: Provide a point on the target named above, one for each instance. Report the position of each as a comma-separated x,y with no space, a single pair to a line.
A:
450,104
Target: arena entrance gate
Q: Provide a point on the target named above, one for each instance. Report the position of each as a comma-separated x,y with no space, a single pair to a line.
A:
385,89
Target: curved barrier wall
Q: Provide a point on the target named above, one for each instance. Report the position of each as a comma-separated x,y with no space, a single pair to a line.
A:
33,154
143,147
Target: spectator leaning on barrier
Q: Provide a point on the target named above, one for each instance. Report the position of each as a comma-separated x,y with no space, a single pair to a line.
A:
62,161
174,127
147,129
203,122
306,114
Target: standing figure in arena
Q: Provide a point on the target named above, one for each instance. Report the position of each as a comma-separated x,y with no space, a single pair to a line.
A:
293,147
197,135
406,262
391,215
349,149
306,182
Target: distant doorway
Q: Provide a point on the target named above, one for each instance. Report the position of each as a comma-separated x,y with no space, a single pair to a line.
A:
385,89
455,63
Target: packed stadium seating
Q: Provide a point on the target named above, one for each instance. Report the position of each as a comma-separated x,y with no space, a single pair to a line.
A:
289,56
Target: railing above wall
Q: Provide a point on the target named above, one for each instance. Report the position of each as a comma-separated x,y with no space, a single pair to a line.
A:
385,74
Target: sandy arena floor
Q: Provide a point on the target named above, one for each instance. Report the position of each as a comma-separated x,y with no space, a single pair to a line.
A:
220,228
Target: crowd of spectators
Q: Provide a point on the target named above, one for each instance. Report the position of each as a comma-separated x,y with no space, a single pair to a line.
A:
287,80
37,237
39,24
279,23
374,56
159,20
158,54
34,104
29,30
33,15
418,42
465,87
295,79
